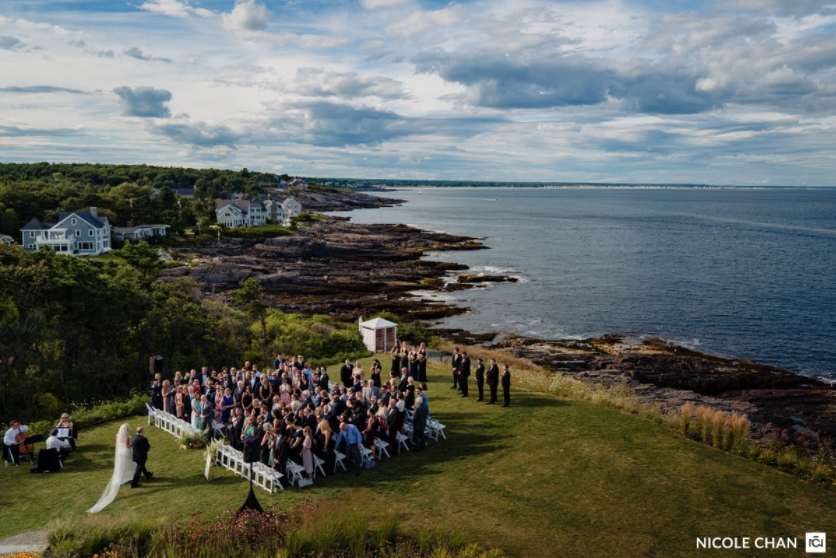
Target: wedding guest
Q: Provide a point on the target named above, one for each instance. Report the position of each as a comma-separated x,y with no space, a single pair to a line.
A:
307,454
227,404
353,443
196,406
419,424
165,393
422,363
156,392
325,444
370,432
247,399
376,369
179,403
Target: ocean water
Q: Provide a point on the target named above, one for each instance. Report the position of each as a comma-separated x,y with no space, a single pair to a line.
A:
744,273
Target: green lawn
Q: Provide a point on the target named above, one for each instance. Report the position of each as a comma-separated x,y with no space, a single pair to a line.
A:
547,477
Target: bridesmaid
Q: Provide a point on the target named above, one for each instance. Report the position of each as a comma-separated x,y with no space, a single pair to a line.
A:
396,362
404,354
422,363
413,363
376,368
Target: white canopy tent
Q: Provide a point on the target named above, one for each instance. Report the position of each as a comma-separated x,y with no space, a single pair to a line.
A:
379,334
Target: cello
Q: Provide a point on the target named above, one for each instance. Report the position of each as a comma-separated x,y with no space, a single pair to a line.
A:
23,449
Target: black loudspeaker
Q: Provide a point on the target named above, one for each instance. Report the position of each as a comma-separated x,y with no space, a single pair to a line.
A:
252,449
155,365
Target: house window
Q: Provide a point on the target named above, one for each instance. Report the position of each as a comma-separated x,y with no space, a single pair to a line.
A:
31,234
77,233
75,221
90,232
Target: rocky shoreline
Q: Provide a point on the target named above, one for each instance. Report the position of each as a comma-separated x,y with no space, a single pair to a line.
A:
669,375
335,267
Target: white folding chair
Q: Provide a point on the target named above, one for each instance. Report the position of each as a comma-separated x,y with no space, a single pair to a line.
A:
318,463
382,447
295,471
339,461
402,441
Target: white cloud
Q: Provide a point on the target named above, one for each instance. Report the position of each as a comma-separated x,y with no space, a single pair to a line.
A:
419,22
173,8
247,15
376,4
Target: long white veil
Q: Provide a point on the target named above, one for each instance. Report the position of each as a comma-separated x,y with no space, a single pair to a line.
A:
123,470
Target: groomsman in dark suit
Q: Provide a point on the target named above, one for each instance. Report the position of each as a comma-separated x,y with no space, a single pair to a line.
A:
457,360
139,449
506,386
345,373
492,377
480,378
464,373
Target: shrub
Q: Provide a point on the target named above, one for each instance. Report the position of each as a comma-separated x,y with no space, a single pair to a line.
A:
84,416
686,415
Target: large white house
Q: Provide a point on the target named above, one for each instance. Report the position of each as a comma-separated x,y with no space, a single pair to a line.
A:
252,213
78,233
241,213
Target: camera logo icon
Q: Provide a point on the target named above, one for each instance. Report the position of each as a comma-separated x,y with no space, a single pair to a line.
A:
816,543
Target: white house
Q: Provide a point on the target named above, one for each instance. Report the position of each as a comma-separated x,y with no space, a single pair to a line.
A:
139,232
379,334
6,239
298,184
79,233
290,209
241,213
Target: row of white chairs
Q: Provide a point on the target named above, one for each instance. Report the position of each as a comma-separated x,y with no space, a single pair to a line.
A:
263,476
169,423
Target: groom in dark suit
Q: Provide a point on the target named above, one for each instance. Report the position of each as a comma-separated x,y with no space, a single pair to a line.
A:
140,446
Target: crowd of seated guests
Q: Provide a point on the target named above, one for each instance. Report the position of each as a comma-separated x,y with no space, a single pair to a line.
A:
295,413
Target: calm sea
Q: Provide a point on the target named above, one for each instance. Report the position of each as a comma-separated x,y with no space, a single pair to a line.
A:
744,273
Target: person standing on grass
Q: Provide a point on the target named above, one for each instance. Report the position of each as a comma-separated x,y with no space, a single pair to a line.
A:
457,360
506,386
422,363
492,377
353,442
139,450
480,378
346,373
464,373
419,424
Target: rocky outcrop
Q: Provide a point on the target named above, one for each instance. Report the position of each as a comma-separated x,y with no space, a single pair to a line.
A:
486,279
336,267
342,201
670,375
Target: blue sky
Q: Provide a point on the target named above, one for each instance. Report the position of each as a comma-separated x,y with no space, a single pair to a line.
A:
721,92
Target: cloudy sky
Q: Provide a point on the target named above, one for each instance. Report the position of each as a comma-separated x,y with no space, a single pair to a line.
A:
718,92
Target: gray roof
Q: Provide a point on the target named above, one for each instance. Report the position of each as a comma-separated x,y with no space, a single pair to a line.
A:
36,224
84,216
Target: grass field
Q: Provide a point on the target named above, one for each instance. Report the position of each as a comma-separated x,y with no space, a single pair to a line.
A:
546,477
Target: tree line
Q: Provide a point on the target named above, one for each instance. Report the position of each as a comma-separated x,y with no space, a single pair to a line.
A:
80,330
140,194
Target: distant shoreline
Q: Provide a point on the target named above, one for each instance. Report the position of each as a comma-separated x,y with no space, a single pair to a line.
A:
598,187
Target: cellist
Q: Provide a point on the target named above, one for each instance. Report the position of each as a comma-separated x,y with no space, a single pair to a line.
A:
12,439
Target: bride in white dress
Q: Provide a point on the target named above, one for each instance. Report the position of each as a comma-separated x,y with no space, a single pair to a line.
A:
123,470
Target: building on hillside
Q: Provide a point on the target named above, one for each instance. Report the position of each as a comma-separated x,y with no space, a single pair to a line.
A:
298,184
241,213
79,233
379,335
290,209
6,239
140,232
187,193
